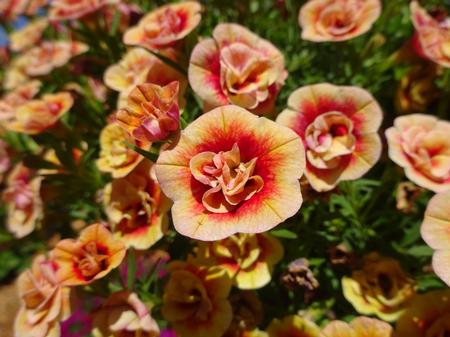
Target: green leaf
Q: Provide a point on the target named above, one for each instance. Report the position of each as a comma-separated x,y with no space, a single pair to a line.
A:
420,251
284,234
131,261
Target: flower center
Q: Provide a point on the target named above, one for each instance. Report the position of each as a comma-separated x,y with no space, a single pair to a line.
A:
337,19
93,260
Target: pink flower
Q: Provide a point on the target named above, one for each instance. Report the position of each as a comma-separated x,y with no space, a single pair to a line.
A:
70,9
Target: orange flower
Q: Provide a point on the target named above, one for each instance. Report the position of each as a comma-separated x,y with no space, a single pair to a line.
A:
152,112
420,144
232,172
10,9
436,232
92,256
432,34
23,201
195,300
69,9
337,20
44,301
15,75
293,326
248,258
137,208
28,36
124,314
164,26
339,127
17,97
237,67
358,327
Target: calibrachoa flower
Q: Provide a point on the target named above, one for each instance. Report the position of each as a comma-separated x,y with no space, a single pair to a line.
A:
337,20
164,26
10,9
116,156
428,315
247,312
338,126
124,315
248,258
23,201
151,113
293,326
90,257
70,9
17,97
436,232
195,300
137,208
380,288
5,159
421,145
232,172
433,35
28,36
237,67
358,327
45,302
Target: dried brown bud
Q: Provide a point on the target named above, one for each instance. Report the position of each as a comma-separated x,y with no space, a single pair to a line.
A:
407,194
340,255
298,275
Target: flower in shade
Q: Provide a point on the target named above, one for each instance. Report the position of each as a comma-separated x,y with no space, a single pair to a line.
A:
436,232
44,301
28,36
90,257
338,126
428,315
380,288
23,201
152,112
432,34
164,26
337,20
116,156
247,313
195,300
248,258
232,172
69,9
420,144
293,326
124,315
137,208
358,327
5,159
237,67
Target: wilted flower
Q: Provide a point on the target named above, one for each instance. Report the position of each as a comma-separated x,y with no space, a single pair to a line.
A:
28,36
298,275
45,301
232,172
339,127
90,257
436,232
124,315
293,326
137,208
23,201
421,145
406,196
341,255
427,316
337,20
248,258
237,67
195,300
70,9
164,26
152,112
433,35
358,327
380,288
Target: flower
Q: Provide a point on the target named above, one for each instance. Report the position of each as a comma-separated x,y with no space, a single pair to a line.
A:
248,258
69,9
5,159
427,315
420,144
79,324
436,233
293,326
164,26
92,256
10,9
17,97
433,35
381,288
231,172
45,301
358,327
115,155
137,208
23,201
338,126
337,20
195,300
124,315
247,313
237,67
152,112
28,36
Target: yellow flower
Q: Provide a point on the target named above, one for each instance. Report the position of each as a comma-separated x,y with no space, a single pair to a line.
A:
28,36
293,326
358,327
